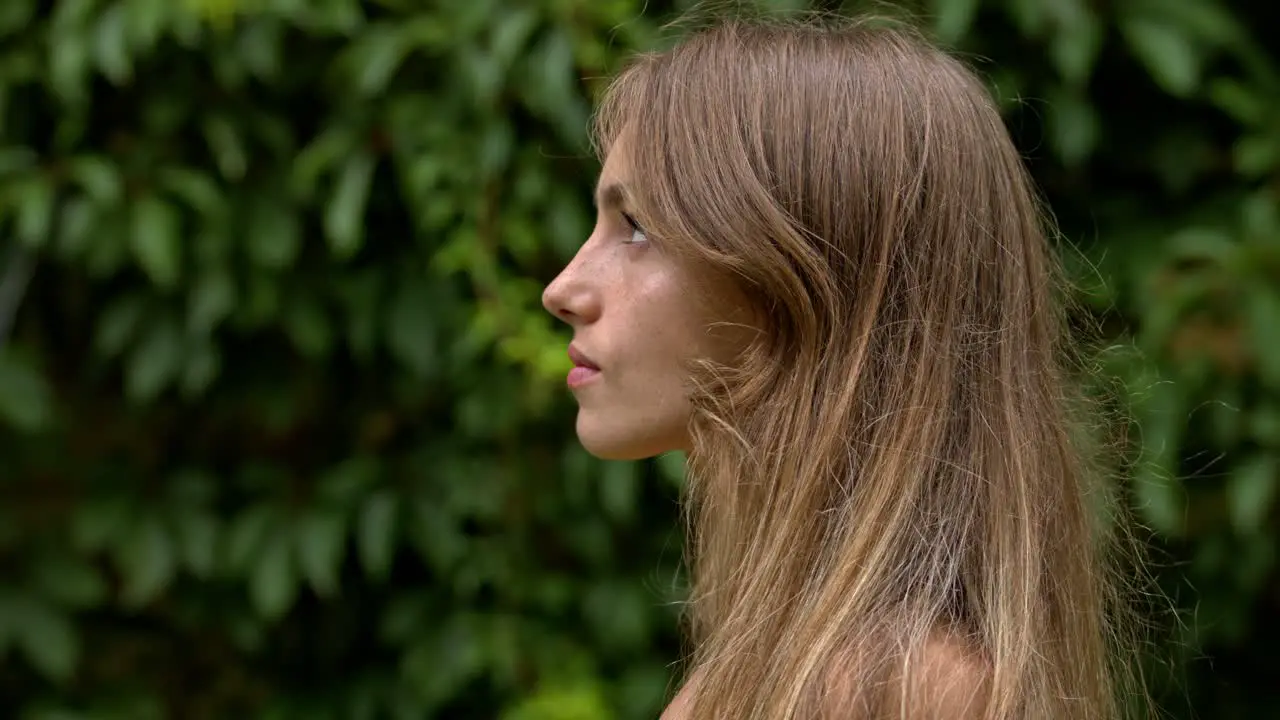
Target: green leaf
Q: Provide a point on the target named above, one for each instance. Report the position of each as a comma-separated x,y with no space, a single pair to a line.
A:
1245,103
68,63
99,178
1251,490
26,401
376,57
344,215
46,636
1073,126
308,326
1255,156
320,537
245,536
196,189
197,535
147,560
1263,315
36,198
227,147
347,481
620,490
273,584
376,534
952,18
154,362
118,324
1167,52
319,157
411,328
155,240
1074,49
203,363
211,301
15,159
274,233
69,581
111,45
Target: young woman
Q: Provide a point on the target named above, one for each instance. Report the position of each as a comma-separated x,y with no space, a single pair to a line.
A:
819,269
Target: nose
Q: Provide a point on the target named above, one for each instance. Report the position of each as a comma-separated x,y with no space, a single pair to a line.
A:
572,296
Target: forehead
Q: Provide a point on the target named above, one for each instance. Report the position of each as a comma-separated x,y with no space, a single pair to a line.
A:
616,169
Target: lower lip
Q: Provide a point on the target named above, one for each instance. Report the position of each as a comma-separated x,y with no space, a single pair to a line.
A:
580,376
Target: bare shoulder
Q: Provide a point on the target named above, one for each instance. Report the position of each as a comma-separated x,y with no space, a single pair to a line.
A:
947,680
952,681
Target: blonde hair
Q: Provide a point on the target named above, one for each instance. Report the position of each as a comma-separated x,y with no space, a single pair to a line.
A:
892,459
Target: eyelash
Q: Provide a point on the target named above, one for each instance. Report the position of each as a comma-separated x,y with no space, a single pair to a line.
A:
635,228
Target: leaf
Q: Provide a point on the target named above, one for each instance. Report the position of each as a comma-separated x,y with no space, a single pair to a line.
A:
15,159
68,63
198,535
274,233
376,57
211,301
227,147
99,178
35,199
155,240
1263,315
1075,47
952,18
308,326
1167,52
318,157
69,581
619,490
1255,156
203,363
273,583
320,537
245,536
147,20
411,328
46,636
1251,490
118,324
26,401
147,560
376,534
344,215
97,524
154,362
347,481
111,45
194,188
1245,103
1074,127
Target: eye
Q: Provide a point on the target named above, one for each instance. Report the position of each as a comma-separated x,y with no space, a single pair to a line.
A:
637,233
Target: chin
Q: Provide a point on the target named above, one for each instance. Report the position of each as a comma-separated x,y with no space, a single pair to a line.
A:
623,443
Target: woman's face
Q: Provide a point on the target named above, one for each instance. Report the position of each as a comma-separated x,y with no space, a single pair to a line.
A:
639,317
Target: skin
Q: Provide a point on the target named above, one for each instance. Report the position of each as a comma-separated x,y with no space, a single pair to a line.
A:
642,317
635,315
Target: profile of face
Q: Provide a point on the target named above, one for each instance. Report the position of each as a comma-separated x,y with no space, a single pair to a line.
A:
639,319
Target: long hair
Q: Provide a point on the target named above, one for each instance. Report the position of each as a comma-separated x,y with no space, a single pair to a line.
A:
893,456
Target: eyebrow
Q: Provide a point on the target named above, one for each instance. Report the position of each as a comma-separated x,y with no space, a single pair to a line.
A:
613,195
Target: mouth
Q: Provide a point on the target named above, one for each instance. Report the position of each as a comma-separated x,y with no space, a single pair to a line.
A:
581,360
584,369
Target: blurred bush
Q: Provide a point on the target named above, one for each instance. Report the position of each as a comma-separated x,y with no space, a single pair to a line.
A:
283,433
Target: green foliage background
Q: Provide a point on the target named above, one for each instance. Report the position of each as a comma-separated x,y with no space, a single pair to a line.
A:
282,432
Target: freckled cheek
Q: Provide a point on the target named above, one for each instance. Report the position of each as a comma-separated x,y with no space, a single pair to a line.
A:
664,329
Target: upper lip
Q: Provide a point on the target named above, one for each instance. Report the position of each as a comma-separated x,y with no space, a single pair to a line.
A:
580,359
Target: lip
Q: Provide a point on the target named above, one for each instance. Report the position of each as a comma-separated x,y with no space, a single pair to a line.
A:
584,370
580,359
